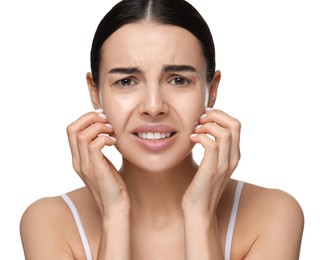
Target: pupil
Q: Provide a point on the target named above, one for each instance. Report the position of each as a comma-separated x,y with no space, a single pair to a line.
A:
126,82
179,80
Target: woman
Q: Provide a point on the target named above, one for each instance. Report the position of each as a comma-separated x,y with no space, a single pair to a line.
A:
153,86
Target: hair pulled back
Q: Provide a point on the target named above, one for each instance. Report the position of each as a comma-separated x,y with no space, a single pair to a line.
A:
173,12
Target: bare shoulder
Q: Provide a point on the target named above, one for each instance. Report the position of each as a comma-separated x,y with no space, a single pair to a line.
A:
45,211
274,200
276,220
45,228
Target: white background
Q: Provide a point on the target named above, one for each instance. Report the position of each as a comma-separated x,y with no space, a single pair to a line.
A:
270,56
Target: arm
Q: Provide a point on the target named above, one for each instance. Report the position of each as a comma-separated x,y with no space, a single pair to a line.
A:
202,238
87,137
115,240
42,227
278,214
200,202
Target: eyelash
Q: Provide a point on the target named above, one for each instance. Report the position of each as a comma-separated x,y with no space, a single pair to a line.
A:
122,81
128,82
185,81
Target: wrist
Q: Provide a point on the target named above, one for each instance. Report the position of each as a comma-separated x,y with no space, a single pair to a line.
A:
200,220
194,211
115,237
115,217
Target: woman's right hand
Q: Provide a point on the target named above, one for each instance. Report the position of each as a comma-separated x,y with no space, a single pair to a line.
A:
87,136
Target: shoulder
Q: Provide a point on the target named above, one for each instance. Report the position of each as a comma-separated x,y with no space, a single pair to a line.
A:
45,211
46,228
276,220
41,226
274,203
52,211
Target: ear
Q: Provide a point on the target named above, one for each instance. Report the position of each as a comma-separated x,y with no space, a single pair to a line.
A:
93,91
213,89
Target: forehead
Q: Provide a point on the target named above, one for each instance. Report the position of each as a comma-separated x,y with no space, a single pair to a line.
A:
146,43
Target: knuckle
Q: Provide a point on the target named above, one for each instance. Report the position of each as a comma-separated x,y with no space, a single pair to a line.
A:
234,164
76,166
226,134
235,160
225,168
84,169
81,137
70,129
216,110
236,124
213,146
92,147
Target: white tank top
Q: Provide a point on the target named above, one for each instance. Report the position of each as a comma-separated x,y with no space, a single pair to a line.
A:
229,236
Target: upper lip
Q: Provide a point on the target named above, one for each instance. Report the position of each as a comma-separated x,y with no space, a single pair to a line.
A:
154,128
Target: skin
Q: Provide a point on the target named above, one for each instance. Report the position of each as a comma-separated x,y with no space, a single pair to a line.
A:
159,205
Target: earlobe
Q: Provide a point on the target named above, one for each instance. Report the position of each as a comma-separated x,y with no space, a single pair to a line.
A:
93,91
213,89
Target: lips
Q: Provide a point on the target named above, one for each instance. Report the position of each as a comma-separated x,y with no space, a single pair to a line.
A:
155,137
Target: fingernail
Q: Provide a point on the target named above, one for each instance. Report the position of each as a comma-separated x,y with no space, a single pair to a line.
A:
197,126
207,109
102,115
193,135
113,138
203,116
99,110
109,125
104,135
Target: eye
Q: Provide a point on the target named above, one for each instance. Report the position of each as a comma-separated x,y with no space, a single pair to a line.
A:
179,81
127,82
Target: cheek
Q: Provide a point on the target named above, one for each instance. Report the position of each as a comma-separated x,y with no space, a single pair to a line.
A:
117,112
190,108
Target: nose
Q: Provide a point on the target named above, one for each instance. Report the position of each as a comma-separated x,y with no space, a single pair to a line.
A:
153,102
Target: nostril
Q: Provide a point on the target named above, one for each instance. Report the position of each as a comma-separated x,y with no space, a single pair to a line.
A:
150,113
154,107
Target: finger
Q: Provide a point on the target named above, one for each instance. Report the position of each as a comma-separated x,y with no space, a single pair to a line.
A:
221,118
207,174
85,121
228,122
218,116
217,132
85,137
102,170
74,128
96,157
210,159
213,173
223,137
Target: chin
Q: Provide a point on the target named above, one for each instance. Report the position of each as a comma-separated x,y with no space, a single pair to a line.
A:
160,163
146,159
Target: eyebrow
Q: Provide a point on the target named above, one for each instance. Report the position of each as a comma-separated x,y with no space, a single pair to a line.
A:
178,68
166,68
127,70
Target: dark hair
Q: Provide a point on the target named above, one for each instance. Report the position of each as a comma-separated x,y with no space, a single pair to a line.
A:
173,12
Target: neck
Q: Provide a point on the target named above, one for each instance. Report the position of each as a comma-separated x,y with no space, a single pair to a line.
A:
158,193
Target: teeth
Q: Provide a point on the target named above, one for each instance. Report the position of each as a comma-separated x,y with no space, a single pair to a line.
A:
154,136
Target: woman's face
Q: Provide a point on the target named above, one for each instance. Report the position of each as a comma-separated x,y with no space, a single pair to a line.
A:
152,88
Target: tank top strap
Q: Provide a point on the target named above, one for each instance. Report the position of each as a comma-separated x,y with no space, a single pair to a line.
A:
232,219
229,236
79,225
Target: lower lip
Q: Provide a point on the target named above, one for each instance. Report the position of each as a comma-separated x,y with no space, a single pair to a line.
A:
156,145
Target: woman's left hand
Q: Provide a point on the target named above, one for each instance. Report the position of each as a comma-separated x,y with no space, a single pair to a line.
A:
219,134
